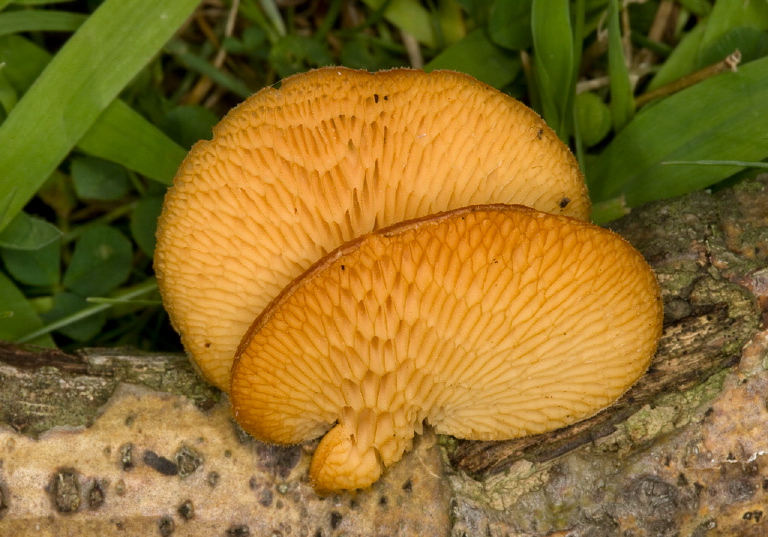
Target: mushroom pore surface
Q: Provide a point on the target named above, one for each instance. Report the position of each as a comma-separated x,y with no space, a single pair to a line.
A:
293,173
489,322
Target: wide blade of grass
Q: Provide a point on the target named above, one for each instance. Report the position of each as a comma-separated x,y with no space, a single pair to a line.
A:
77,86
554,62
124,136
722,118
39,21
120,134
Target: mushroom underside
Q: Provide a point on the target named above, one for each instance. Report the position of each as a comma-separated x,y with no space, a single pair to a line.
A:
292,174
488,322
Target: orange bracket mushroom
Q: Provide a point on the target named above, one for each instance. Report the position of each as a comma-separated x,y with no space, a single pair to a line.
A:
489,322
292,174
457,314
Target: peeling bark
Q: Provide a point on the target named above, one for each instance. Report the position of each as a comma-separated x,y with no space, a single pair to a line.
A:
114,442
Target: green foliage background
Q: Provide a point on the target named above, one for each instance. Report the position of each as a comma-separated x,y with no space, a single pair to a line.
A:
100,100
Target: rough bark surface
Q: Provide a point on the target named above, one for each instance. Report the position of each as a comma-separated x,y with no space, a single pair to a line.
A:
113,442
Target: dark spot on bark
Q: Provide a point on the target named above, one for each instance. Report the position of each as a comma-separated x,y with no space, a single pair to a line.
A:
353,504
238,531
755,515
335,519
227,453
730,457
265,497
278,460
319,533
65,490
4,496
383,501
207,344
667,460
18,423
740,490
765,484
343,267
161,464
564,202
654,497
187,460
408,486
682,481
539,133
129,421
252,483
186,510
95,496
213,478
126,457
375,98
166,526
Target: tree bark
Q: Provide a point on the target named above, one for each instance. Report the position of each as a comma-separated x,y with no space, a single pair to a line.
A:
115,442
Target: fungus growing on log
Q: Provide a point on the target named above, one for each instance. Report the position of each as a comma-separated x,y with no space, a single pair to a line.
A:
357,254
488,322
293,173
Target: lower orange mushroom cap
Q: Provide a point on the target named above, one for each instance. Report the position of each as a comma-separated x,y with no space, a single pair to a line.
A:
488,322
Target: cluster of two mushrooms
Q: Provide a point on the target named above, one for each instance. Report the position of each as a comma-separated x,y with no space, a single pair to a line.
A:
355,254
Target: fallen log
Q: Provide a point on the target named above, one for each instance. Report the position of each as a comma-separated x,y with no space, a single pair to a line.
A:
116,442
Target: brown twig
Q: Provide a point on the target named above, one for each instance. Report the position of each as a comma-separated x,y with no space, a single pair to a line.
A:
730,63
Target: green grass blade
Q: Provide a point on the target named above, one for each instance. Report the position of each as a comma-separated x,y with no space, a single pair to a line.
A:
738,163
553,56
39,21
722,118
77,86
202,66
622,99
121,296
120,134
124,136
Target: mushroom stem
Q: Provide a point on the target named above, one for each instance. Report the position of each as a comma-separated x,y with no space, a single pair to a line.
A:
356,451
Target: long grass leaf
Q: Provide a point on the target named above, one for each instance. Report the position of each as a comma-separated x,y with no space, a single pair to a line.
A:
722,118
77,86
126,294
738,163
554,57
124,136
39,21
120,134
622,100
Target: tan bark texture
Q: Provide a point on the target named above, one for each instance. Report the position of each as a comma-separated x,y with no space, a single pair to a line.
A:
115,442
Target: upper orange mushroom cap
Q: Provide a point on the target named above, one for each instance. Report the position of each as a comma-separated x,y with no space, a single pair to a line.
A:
292,173
489,322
